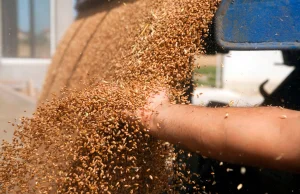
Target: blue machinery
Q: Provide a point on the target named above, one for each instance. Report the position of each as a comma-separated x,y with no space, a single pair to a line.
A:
258,24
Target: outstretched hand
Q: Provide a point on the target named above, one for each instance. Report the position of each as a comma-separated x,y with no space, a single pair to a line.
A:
155,102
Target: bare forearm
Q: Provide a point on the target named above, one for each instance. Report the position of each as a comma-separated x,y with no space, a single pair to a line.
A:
256,136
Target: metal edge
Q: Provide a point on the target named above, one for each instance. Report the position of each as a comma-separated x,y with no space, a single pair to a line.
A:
259,46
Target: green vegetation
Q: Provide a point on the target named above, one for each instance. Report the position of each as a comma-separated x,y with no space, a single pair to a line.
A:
205,76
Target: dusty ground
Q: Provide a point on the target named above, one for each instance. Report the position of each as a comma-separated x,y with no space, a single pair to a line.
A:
12,105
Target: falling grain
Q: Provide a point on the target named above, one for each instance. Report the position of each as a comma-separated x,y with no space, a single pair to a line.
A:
283,117
81,141
240,186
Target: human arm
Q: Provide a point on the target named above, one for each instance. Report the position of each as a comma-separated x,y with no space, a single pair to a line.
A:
262,136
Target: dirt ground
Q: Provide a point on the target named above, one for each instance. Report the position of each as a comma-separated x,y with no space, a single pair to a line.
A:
12,105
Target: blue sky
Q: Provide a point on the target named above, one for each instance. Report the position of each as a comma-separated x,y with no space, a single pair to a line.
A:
42,14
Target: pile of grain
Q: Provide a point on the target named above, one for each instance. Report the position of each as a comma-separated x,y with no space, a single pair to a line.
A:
82,141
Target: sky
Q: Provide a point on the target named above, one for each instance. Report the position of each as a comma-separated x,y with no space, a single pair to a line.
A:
42,15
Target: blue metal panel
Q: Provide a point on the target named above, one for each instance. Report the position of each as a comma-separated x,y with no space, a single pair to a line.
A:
258,24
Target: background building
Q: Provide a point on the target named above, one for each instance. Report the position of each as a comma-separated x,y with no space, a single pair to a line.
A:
30,31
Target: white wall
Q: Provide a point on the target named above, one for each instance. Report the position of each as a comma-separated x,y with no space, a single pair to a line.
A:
17,73
244,71
64,16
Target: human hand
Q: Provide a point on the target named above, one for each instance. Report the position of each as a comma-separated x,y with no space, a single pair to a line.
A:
155,103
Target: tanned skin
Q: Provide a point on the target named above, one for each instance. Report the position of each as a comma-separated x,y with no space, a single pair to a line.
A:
260,136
